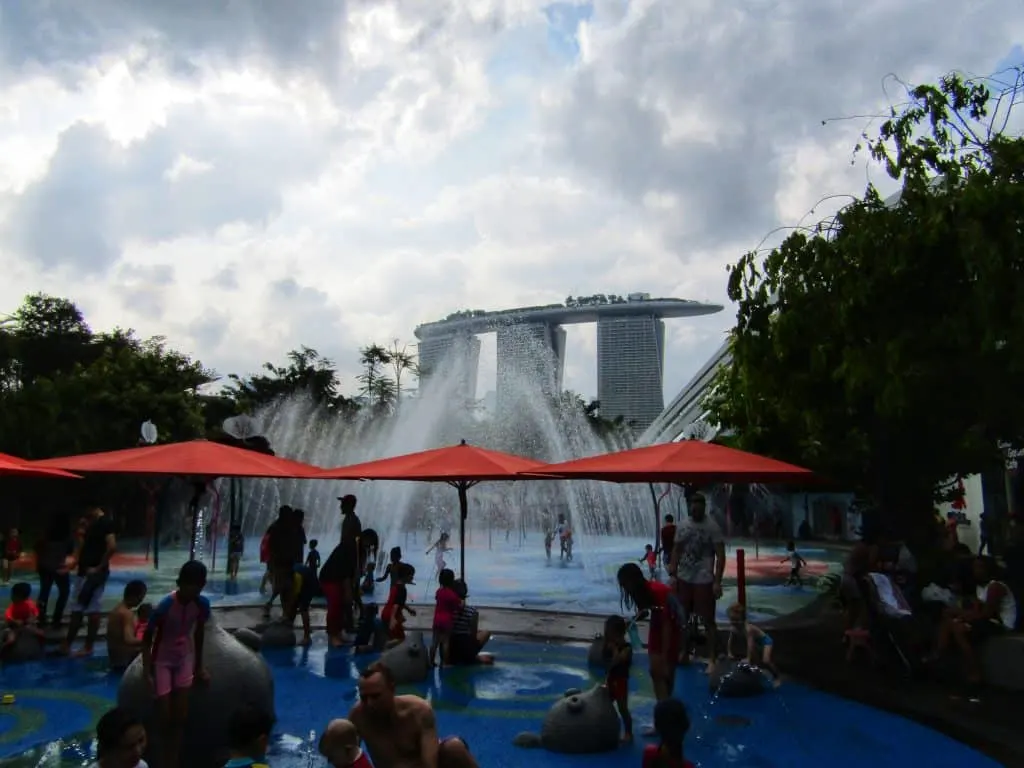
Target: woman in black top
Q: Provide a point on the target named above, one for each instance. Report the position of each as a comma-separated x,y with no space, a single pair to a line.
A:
52,552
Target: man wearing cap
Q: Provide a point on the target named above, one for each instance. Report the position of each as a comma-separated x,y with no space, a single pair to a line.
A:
339,744
351,567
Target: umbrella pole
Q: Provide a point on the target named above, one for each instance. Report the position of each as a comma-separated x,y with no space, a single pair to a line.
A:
463,512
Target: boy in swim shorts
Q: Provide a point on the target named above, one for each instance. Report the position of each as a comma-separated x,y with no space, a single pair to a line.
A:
172,653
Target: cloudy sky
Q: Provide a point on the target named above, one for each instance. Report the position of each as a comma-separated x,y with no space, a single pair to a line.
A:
245,176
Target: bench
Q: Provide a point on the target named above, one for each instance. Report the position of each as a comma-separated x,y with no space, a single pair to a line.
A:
1002,661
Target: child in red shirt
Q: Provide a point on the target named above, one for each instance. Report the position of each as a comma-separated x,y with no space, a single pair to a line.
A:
670,724
22,614
393,615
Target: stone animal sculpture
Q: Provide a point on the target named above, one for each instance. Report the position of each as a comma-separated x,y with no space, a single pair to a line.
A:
278,635
580,723
27,647
408,661
238,677
732,679
249,639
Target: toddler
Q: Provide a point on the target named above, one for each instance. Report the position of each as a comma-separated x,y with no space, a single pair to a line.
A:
248,738
549,537
339,744
120,740
446,607
618,653
123,640
753,638
22,615
172,653
670,725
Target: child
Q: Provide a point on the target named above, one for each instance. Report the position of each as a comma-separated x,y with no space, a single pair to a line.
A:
172,653
391,570
339,745
313,558
446,607
22,615
144,614
123,640
236,546
366,585
120,740
248,737
619,655
795,564
439,548
549,537
754,638
12,551
393,615
670,724
651,558
303,589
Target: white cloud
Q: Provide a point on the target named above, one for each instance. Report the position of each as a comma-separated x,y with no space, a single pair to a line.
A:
248,178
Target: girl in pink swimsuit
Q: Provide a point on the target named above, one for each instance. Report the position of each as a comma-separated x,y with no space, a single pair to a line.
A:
172,652
448,604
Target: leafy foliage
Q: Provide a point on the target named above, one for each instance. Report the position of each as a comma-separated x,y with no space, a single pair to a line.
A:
884,347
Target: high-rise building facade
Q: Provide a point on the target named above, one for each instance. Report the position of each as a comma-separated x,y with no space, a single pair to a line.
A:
531,358
457,355
630,367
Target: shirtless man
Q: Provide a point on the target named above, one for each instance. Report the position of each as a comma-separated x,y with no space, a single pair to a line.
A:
400,731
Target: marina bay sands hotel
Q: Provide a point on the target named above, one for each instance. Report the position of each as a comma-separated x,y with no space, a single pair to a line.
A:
531,347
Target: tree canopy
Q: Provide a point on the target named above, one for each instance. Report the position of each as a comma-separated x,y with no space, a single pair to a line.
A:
884,347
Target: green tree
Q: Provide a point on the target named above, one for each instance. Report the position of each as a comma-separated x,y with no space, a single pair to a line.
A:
69,390
373,359
885,347
402,362
306,371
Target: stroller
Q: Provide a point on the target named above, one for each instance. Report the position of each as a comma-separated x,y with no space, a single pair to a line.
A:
895,638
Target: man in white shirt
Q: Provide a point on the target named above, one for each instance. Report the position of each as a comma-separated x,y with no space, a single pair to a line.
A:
698,565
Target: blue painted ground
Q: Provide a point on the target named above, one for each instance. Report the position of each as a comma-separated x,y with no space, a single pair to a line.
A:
792,726
509,574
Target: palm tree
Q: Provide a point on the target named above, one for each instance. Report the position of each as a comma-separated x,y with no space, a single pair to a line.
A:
402,361
372,358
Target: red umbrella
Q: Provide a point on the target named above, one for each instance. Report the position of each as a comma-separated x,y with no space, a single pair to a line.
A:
195,458
13,466
461,466
688,461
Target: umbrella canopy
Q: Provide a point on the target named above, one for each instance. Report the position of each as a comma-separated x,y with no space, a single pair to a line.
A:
688,461
195,458
461,466
12,466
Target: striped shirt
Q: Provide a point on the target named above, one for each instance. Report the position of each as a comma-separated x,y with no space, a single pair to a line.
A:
464,621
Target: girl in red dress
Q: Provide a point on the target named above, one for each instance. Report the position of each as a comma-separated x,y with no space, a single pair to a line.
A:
664,639
670,724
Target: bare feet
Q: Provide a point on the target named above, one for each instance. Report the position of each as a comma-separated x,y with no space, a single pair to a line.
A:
306,640
84,653
627,738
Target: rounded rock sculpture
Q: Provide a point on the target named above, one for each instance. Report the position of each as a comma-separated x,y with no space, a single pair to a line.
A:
238,677
734,680
278,635
408,661
27,647
249,639
580,723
